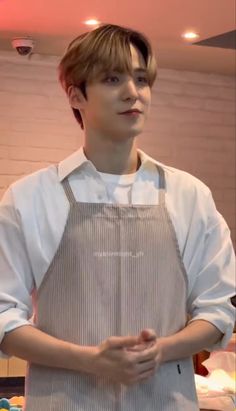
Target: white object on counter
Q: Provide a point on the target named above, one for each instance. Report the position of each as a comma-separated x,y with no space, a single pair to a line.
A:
217,391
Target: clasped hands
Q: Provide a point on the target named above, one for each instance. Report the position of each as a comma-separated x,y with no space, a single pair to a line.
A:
147,343
147,340
129,359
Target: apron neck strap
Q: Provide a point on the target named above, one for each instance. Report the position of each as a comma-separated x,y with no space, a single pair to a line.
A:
162,185
68,191
162,188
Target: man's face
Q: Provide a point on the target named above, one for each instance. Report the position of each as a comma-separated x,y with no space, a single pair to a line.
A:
109,95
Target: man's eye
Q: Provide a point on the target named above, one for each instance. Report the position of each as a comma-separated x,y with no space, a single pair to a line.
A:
111,79
143,80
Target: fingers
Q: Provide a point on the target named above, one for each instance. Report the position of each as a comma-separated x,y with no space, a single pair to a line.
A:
122,342
146,366
147,374
147,354
145,340
141,346
144,374
148,334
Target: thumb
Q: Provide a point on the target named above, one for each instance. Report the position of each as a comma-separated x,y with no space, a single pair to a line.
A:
122,342
148,334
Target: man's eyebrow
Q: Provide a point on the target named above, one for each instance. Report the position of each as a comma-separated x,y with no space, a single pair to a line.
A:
135,70
140,70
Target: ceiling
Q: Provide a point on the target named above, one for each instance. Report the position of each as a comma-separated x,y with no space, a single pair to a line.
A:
54,23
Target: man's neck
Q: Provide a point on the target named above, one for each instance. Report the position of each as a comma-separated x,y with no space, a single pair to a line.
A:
113,160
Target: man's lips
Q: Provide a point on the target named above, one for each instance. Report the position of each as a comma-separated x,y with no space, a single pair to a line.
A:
131,112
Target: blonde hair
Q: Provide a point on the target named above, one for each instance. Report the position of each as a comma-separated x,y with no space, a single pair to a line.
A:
104,49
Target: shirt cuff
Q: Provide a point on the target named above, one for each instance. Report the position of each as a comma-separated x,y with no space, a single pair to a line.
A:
224,321
10,320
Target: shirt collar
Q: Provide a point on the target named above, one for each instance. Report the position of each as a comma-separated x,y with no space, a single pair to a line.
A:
78,159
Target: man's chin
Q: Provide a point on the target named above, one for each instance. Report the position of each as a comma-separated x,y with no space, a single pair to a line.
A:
128,133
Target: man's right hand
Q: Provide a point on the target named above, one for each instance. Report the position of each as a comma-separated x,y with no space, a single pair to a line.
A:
114,360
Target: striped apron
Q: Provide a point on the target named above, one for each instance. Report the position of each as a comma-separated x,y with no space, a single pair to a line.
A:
117,270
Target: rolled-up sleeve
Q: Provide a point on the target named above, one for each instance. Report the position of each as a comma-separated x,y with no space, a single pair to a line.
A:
16,279
214,266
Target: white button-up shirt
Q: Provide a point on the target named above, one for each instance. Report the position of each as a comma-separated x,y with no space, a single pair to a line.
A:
34,211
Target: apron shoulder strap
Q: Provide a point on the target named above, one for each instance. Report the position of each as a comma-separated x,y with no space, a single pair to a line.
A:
68,191
162,185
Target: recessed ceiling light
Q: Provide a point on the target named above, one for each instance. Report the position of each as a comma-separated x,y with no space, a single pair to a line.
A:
190,35
92,22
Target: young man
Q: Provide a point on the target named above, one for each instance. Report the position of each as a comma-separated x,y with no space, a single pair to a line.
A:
128,261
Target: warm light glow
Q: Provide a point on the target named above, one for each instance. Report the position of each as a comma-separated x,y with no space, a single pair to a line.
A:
91,22
190,35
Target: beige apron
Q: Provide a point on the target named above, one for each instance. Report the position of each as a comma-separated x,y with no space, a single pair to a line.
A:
117,271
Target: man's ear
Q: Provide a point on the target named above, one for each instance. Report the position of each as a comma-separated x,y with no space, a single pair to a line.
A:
76,97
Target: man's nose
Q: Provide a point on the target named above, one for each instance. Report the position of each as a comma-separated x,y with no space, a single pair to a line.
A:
130,90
